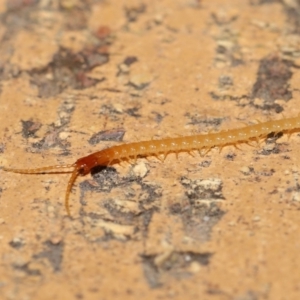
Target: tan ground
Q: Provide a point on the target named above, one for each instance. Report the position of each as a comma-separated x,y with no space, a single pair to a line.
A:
77,75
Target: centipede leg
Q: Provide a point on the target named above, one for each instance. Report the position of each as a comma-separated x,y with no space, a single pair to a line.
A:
205,152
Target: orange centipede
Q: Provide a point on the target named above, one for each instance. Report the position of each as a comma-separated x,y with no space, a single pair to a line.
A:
162,147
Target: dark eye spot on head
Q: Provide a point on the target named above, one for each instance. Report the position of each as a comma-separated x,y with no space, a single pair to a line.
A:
81,171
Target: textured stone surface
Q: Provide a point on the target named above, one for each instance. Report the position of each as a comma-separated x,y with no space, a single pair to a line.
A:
223,226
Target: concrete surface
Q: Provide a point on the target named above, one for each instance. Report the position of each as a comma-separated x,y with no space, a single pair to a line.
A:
79,76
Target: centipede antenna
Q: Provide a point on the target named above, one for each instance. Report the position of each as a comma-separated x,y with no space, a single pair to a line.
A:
57,168
72,179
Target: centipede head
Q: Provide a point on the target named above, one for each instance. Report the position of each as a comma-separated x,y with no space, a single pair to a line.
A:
85,164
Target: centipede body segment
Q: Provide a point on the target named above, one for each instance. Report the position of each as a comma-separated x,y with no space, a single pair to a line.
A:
162,147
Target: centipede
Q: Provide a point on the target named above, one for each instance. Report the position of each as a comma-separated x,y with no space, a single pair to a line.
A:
161,148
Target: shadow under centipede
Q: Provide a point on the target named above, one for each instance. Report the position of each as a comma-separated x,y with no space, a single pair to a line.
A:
274,136
99,169
106,179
